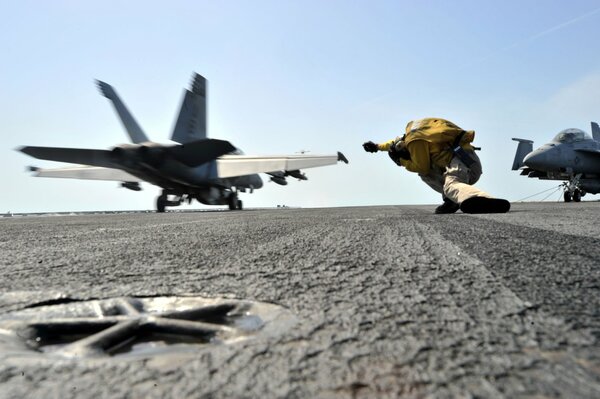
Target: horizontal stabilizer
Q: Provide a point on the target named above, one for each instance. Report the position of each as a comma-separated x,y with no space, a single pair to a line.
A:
191,121
241,165
595,131
524,148
79,156
134,130
525,171
86,173
201,151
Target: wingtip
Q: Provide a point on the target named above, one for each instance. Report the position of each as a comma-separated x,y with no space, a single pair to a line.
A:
24,149
342,157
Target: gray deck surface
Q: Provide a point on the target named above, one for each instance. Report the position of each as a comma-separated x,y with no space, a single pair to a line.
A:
390,301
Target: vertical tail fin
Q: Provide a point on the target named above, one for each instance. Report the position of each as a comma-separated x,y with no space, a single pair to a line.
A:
524,148
595,131
134,130
191,122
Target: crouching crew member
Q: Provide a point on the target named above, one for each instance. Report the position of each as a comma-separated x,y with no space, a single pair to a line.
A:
442,154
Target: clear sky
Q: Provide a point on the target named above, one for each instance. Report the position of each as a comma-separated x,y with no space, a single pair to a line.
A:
286,76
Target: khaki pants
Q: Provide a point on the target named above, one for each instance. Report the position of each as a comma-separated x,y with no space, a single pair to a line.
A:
454,182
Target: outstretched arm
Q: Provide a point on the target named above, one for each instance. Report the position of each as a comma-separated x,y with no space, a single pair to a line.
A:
370,146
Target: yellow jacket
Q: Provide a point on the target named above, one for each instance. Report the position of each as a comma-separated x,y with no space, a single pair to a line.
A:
428,141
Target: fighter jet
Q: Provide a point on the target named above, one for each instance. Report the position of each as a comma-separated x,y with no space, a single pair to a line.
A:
210,171
572,156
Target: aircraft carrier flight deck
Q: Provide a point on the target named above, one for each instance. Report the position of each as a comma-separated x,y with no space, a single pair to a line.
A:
343,302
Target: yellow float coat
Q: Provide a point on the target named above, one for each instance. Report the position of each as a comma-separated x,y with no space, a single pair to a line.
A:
428,141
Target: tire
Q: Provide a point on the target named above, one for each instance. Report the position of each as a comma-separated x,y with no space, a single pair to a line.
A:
240,205
232,202
567,196
577,196
160,204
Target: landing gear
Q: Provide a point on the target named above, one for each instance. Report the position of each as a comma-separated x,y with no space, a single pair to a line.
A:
234,203
163,201
573,191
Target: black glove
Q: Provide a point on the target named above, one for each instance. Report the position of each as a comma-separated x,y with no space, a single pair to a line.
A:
369,146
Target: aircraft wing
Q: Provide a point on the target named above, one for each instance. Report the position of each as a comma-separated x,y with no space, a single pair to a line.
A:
81,156
191,154
86,173
240,165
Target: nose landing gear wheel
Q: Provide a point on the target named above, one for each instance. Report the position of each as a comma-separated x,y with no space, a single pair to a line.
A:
577,195
567,196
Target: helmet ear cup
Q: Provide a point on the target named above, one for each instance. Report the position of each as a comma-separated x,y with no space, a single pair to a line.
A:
399,151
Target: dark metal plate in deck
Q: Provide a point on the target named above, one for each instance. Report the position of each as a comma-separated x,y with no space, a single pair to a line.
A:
129,327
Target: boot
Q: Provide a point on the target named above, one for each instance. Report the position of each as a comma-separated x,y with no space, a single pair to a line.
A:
448,206
485,205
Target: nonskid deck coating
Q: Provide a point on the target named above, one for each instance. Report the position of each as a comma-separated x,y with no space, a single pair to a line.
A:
390,301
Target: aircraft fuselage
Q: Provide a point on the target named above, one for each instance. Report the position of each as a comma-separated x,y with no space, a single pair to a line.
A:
572,156
580,157
201,182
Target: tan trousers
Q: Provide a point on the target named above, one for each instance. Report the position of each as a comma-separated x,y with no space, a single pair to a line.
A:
455,181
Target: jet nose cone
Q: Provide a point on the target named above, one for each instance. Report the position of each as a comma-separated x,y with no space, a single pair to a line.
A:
538,160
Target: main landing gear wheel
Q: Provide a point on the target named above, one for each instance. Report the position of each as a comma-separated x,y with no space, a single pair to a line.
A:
161,203
232,202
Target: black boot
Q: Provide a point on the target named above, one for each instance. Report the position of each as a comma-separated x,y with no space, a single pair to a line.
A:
448,206
485,205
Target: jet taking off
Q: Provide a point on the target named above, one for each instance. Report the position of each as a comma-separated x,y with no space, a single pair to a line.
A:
572,155
208,170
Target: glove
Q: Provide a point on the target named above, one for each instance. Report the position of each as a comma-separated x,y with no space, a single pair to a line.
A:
369,146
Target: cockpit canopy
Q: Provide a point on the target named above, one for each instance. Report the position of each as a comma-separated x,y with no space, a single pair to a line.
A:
571,136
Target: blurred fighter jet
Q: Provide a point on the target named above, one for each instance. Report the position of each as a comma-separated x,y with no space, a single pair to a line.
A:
208,170
572,155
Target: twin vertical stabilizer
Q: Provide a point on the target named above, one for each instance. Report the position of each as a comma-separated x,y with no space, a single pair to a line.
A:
524,148
134,130
191,122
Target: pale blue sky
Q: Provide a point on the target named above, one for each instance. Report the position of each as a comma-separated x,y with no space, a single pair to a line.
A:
286,76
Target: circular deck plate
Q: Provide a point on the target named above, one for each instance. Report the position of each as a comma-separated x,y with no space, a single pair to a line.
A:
130,327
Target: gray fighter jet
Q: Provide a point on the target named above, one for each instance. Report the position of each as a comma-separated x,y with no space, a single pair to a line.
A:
208,170
572,156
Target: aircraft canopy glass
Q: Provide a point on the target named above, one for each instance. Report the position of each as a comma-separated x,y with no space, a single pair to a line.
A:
571,136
